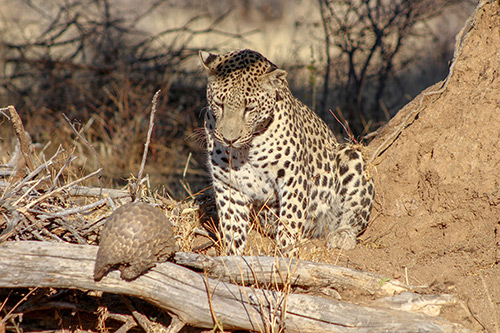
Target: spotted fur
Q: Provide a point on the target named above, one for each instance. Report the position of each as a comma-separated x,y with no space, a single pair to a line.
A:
267,149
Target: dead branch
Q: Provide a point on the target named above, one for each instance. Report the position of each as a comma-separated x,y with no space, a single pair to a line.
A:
13,162
21,135
85,141
85,191
59,189
23,200
273,271
136,189
143,320
35,172
76,210
184,293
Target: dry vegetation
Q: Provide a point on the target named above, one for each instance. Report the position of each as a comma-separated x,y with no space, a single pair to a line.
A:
44,205
368,47
99,69
40,206
50,184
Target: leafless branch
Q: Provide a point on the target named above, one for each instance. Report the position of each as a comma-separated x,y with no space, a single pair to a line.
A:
137,188
21,135
369,36
89,146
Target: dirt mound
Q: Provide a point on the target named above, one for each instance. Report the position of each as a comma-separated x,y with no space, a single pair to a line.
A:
437,215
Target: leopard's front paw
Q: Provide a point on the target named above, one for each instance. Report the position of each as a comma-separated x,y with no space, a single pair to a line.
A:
343,238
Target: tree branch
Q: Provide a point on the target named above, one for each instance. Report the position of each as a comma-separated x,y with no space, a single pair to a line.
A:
184,293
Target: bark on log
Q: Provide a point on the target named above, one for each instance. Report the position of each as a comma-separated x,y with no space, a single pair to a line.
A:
274,271
186,294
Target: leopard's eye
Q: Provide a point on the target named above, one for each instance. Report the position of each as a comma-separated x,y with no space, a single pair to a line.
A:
250,108
219,105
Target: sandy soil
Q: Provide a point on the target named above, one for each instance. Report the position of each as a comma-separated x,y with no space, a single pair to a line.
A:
436,220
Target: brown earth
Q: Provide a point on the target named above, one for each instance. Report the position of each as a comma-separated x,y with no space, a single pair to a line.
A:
436,219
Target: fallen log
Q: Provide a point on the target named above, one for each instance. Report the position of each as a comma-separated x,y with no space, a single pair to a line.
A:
278,271
200,301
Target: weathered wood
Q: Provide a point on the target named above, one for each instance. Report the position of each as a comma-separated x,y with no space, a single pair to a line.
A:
186,294
273,271
85,191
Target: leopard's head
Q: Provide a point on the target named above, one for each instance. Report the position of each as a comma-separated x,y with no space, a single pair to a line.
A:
243,89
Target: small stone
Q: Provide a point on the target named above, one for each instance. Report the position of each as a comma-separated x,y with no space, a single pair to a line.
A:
134,238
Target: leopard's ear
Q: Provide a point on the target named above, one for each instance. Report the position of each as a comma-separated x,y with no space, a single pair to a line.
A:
207,61
274,79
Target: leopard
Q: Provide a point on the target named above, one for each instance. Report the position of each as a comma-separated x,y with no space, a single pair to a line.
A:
271,156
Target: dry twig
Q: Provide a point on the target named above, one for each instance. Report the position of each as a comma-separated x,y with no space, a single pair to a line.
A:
21,135
136,189
78,134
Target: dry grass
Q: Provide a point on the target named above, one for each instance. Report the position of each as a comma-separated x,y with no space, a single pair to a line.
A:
55,200
58,201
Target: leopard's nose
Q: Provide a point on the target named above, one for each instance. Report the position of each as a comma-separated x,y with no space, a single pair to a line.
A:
229,142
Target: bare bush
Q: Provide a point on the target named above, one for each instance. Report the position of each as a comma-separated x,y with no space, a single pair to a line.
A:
366,43
86,47
91,60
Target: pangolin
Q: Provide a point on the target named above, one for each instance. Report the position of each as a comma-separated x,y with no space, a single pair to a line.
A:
134,237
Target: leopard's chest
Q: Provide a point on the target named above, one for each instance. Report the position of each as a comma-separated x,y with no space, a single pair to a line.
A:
245,171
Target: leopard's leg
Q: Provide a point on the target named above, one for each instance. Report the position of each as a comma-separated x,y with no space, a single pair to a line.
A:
353,199
292,216
267,217
234,216
232,209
